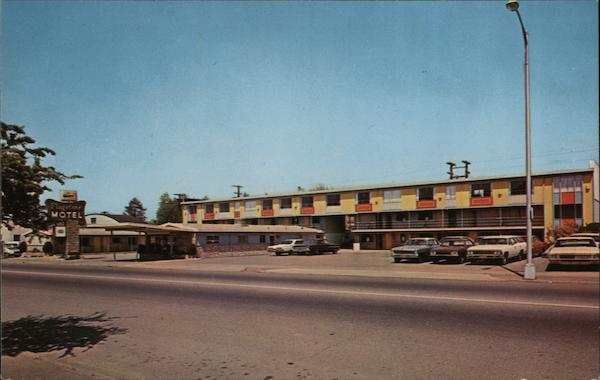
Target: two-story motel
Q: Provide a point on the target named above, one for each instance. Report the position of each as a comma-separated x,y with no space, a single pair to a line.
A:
381,216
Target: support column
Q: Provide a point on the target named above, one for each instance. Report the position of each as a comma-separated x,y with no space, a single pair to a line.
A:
72,239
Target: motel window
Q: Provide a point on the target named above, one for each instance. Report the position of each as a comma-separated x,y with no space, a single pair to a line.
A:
572,211
262,239
224,207
242,239
116,240
425,215
212,239
518,187
307,202
391,196
93,220
450,192
333,200
285,203
16,237
425,193
237,206
85,241
479,190
250,206
267,204
363,197
192,210
316,220
209,209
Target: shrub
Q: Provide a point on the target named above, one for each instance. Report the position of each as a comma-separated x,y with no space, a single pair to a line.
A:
47,248
22,247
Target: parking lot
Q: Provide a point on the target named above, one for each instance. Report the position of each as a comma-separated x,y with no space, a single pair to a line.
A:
345,263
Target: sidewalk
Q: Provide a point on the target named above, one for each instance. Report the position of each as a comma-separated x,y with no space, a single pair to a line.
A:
345,263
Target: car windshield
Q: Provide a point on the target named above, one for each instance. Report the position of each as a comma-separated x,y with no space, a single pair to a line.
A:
596,238
453,242
491,241
417,242
575,243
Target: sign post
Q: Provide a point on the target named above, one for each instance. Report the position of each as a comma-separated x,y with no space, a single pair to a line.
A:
71,215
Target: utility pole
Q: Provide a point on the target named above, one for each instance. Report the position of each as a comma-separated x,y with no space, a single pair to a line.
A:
238,191
451,172
453,166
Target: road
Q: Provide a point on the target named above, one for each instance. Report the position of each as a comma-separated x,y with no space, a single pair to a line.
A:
121,322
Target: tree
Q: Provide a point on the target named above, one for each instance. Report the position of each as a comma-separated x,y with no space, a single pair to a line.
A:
320,186
24,178
136,209
168,210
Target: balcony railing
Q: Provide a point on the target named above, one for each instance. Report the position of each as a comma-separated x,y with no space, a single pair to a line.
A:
458,223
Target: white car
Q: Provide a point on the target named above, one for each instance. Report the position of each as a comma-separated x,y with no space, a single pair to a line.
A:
11,249
595,236
500,248
574,250
289,246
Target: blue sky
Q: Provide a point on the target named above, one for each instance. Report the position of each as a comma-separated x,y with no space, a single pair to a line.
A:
146,97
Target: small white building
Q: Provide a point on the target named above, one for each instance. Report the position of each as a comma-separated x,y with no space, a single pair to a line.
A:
241,237
18,234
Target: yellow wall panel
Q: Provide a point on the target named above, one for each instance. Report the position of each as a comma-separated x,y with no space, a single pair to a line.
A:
538,190
587,200
548,206
348,202
377,200
500,192
319,203
463,195
408,198
440,196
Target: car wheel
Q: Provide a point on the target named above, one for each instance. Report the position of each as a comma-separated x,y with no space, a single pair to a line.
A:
504,259
522,255
461,259
421,258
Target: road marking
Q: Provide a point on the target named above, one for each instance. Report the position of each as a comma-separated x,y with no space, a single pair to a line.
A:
310,290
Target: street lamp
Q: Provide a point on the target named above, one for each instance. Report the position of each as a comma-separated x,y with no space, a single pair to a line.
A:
513,6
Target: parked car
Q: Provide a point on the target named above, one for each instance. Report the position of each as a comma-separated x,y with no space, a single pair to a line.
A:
500,248
287,247
452,248
574,250
321,246
11,249
415,249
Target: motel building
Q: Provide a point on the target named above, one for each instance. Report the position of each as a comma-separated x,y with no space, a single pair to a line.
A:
383,216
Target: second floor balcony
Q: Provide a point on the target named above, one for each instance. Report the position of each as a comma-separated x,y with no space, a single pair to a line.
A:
447,223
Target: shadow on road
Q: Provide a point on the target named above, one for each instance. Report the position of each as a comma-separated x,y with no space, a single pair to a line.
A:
572,268
45,334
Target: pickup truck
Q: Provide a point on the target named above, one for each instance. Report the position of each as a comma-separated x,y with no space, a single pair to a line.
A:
321,246
287,247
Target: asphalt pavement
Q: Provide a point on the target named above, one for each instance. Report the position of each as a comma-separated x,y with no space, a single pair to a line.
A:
126,321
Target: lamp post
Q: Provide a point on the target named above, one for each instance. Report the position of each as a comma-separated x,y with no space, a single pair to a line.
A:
513,6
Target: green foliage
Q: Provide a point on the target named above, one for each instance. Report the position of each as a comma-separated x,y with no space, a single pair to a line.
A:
320,186
136,209
47,248
25,178
168,210
592,227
